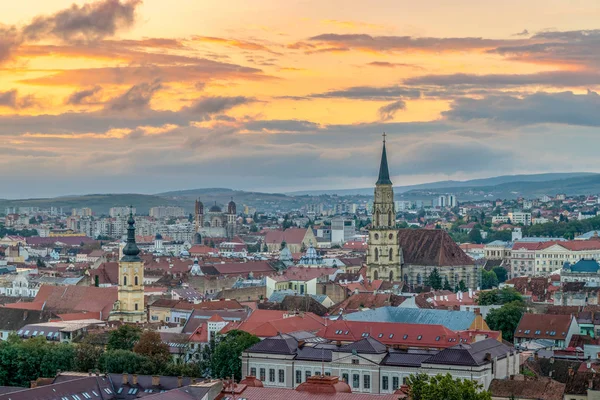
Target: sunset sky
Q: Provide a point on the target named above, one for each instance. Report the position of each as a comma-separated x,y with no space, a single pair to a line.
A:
271,95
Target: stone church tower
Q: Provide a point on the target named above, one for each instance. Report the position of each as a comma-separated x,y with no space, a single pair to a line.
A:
383,257
130,306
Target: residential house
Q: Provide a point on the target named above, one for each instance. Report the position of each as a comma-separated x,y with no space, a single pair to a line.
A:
302,280
556,328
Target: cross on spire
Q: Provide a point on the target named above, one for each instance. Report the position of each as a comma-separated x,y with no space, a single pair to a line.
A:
384,135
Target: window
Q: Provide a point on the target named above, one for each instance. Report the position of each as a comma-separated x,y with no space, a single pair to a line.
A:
376,254
135,280
380,335
298,376
124,281
391,335
271,375
366,381
437,339
327,373
281,376
355,381
262,374
253,371
405,337
385,383
395,383
419,337
355,361
136,306
307,375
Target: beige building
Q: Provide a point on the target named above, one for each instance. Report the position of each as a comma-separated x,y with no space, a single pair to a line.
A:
130,304
383,255
296,239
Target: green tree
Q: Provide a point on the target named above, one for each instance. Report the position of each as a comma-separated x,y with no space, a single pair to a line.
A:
120,361
87,357
499,296
475,236
283,244
228,350
446,284
500,274
97,280
435,279
253,228
151,346
461,286
124,338
506,319
39,263
488,279
444,387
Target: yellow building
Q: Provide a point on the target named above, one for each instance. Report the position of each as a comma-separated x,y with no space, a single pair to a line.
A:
130,304
383,256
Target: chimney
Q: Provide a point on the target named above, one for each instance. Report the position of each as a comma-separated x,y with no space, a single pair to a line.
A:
134,379
125,378
155,380
179,381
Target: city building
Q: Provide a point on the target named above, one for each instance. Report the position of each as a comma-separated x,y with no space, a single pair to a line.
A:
120,211
215,223
167,212
342,230
130,303
523,218
383,256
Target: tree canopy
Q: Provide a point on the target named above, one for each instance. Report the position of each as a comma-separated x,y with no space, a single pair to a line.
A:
435,279
225,358
506,319
124,338
488,279
499,296
444,387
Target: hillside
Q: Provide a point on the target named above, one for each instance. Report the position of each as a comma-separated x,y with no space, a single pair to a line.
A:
579,185
453,185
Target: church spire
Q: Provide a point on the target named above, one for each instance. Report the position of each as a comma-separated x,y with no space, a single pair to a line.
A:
131,251
384,173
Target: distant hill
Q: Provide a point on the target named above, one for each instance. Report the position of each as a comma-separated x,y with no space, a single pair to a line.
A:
452,185
575,185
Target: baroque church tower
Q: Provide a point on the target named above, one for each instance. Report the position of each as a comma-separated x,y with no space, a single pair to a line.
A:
383,257
130,306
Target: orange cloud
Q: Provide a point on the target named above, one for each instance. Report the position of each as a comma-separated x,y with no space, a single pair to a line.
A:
240,44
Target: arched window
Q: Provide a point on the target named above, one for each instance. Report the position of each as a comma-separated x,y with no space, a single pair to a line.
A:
135,281
375,275
376,254
377,218
136,306
391,255
389,218
419,279
391,276
124,281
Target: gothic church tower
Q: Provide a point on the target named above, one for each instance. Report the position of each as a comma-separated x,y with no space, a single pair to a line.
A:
383,257
130,307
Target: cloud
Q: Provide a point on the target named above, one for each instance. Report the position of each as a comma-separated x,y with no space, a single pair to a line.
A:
11,99
281,126
540,108
371,93
10,39
240,44
90,22
136,98
387,112
85,96
217,104
406,43
524,32
550,78
387,64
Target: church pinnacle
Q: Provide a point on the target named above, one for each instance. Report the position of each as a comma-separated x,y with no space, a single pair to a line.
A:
384,173
131,251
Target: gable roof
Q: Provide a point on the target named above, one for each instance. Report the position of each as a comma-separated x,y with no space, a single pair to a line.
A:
478,353
453,320
77,298
367,345
279,344
290,236
13,319
432,248
539,389
543,326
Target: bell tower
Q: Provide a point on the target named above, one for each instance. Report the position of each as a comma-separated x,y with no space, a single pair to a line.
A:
130,307
383,257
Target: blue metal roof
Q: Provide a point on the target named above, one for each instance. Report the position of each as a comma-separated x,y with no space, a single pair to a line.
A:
453,320
583,265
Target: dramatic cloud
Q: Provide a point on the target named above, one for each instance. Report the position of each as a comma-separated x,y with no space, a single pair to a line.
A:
387,112
92,21
85,96
407,43
136,98
387,64
9,40
551,78
281,126
215,105
540,108
371,93
11,99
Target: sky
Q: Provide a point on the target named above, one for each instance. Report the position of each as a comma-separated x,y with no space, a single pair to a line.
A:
114,96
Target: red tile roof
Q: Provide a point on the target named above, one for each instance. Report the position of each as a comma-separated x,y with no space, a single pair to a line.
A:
262,393
431,248
77,298
256,267
390,333
67,240
303,274
267,323
291,235
553,327
367,300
